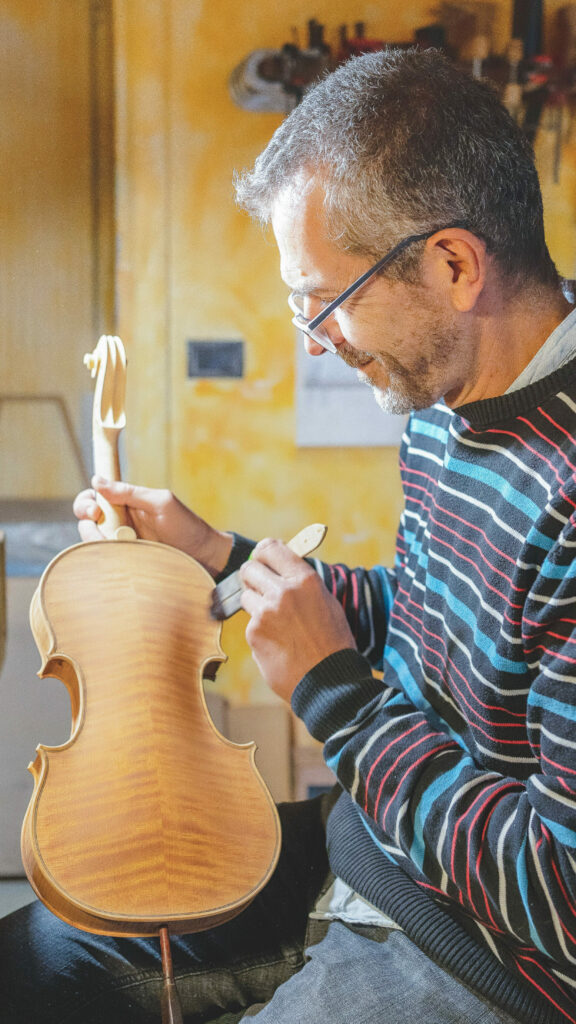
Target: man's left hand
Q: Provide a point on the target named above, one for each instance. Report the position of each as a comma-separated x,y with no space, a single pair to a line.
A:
294,621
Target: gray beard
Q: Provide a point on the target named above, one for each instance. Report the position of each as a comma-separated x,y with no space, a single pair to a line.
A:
393,403
424,381
400,400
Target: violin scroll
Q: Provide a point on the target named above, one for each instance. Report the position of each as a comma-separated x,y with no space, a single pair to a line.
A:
107,364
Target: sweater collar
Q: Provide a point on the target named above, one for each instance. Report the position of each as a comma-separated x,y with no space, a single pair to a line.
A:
488,412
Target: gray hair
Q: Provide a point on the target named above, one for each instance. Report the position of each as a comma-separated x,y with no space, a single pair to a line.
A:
404,142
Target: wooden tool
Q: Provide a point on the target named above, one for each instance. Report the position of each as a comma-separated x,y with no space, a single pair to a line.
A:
146,820
226,597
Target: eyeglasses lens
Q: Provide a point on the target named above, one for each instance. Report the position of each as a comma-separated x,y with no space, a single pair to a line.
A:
319,334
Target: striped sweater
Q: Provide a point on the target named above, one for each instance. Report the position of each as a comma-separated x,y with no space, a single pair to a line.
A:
458,816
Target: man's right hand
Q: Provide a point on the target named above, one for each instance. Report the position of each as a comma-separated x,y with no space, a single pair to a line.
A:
157,515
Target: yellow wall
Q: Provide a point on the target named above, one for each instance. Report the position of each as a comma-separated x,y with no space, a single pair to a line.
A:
47,292
192,266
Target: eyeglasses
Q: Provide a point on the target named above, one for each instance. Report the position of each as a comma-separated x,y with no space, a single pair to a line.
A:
316,327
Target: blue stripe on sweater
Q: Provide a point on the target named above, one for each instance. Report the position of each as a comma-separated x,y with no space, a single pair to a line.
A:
564,835
416,546
387,589
416,697
428,429
436,789
550,704
553,571
467,615
517,499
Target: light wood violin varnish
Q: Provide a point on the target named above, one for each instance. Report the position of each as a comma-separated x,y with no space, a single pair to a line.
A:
146,814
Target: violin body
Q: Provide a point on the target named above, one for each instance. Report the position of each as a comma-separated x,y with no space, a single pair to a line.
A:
146,817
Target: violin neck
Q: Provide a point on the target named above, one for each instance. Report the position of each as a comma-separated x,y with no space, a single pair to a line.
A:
105,443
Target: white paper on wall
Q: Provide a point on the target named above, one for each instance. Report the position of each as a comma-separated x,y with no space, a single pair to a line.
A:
334,409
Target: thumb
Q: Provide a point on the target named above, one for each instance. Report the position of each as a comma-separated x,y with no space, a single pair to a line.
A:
132,496
115,491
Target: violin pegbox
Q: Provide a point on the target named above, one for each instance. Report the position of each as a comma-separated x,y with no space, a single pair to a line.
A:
107,365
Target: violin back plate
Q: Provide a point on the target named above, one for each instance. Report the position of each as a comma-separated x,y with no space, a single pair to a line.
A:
146,816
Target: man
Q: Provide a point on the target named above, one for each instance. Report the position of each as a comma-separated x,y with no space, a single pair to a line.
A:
408,217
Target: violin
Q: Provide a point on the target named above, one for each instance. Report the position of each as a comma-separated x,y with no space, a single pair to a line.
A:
146,821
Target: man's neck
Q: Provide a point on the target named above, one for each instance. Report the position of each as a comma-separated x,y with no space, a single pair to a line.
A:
507,334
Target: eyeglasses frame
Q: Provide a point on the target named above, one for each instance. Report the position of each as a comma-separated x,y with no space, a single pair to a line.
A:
312,325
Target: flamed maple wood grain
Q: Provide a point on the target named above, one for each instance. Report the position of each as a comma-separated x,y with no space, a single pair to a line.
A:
146,815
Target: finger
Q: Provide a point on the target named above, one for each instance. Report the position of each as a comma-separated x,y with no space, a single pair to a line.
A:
259,577
85,506
251,601
89,531
277,556
117,492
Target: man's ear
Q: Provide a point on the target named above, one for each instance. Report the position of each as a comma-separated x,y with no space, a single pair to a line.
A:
460,261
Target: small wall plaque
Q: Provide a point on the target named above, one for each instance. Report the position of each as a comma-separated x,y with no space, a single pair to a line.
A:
215,358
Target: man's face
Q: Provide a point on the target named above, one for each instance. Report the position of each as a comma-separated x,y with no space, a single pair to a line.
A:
403,339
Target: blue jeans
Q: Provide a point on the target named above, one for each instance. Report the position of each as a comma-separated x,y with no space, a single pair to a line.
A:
270,964
373,976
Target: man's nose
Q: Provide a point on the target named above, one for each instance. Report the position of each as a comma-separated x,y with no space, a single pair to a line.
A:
312,347
332,328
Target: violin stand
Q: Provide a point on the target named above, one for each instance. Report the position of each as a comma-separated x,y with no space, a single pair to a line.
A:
171,1005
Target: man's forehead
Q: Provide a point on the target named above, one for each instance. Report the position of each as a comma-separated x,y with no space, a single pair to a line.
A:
297,210
309,260
304,187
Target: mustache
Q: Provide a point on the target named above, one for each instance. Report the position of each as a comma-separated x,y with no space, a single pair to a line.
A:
354,357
